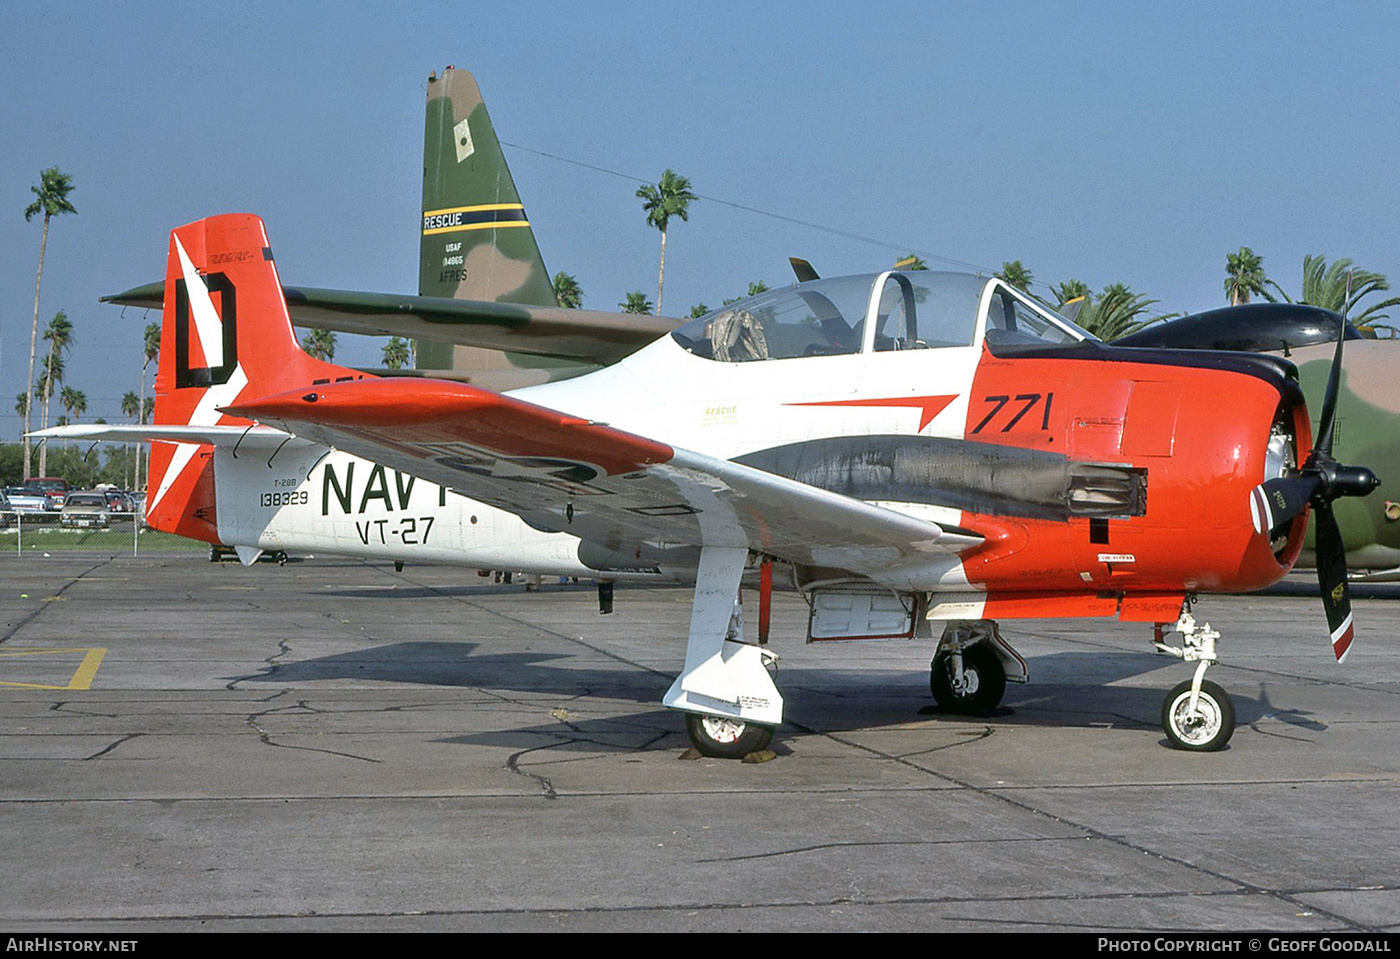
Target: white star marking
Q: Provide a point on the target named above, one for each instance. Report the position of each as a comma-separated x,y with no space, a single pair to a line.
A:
211,341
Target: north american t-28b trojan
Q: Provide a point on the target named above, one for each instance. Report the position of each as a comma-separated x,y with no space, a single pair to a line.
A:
906,449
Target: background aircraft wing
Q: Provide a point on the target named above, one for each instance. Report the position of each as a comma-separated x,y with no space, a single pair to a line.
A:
591,336
638,498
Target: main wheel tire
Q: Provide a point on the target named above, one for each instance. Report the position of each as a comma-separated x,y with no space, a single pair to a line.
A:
723,738
1212,725
984,681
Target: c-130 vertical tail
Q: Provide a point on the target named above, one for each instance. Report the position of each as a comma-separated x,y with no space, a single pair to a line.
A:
476,242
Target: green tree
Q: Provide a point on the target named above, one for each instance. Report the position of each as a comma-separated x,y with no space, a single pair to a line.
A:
1328,286
1017,276
755,288
320,344
698,310
150,352
45,385
396,353
51,199
1115,312
59,334
567,292
74,402
910,262
661,201
636,302
1069,290
131,408
1244,277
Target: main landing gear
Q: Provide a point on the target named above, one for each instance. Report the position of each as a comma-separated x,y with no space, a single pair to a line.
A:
1197,714
971,666
725,690
723,738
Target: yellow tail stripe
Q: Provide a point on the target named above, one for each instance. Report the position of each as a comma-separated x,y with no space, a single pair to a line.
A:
503,224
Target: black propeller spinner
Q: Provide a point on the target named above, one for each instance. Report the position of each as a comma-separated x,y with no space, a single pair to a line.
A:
1319,481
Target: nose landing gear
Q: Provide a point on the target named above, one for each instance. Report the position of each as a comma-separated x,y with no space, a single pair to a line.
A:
1197,714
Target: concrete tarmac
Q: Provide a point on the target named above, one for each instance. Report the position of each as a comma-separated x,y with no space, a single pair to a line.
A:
331,745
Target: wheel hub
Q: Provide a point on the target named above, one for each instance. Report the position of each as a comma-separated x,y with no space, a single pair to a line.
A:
970,683
722,729
1197,725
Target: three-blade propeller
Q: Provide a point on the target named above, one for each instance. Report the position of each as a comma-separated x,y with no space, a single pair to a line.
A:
1319,481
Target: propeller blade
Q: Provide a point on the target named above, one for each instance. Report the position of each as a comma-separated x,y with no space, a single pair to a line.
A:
1274,502
1332,578
1322,443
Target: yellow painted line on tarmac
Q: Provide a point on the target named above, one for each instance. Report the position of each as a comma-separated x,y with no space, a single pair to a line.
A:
82,677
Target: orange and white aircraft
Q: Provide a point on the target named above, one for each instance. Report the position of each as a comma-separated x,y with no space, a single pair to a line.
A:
905,449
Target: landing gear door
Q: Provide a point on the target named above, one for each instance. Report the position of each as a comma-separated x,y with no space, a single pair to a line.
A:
860,614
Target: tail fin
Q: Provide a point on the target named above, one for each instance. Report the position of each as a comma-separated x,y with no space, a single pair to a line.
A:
225,334
476,242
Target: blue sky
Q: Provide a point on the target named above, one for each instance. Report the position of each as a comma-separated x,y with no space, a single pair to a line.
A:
1110,142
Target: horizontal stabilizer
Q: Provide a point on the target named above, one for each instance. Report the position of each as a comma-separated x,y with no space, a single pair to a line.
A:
243,437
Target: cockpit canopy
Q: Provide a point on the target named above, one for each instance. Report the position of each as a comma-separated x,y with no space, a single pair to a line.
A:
873,313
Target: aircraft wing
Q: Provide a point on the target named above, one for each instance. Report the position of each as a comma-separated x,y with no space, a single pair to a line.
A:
637,497
593,336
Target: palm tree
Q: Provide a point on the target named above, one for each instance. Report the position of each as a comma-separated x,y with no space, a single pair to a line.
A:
636,302
1328,286
910,262
74,402
396,353
1069,290
755,288
44,386
51,199
1017,276
320,344
670,197
567,292
1244,277
59,333
131,406
1115,312
698,310
150,352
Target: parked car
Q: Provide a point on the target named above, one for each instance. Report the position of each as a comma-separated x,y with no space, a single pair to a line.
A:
118,501
54,487
31,502
85,510
5,510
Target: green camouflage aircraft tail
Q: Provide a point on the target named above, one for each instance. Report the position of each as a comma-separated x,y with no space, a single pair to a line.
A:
476,240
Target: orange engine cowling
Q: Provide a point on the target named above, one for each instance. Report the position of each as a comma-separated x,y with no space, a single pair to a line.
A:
1192,432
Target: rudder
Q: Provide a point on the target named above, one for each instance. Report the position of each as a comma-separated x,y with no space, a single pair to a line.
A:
225,334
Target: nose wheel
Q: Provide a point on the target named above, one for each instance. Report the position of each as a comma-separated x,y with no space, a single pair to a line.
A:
1197,714
1202,721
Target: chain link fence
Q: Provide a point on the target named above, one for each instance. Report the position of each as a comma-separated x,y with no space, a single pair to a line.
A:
24,532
